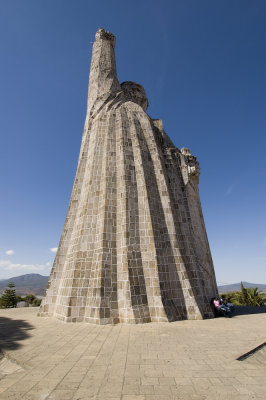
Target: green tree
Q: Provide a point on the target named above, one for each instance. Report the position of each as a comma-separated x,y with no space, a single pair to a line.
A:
9,299
256,297
242,297
250,297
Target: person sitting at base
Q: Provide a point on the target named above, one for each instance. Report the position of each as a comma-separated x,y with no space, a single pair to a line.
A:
224,302
221,308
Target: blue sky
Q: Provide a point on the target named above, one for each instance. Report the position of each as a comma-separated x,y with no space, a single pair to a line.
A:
203,66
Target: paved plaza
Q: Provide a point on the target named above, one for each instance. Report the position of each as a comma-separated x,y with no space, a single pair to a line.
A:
43,358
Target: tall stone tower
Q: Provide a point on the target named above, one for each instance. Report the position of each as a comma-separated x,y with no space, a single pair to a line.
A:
134,247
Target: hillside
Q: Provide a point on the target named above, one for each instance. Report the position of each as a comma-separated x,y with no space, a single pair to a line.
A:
234,287
26,284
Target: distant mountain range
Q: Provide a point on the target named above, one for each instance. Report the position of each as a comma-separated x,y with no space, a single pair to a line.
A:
235,287
26,284
36,284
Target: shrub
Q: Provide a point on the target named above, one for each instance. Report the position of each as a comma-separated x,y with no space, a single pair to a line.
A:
31,300
36,302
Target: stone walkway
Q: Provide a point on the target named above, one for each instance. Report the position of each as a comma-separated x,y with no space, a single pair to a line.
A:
47,359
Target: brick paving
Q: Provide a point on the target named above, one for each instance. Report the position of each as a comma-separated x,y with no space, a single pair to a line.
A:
47,359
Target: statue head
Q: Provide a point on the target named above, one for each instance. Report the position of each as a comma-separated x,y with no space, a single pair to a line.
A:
136,93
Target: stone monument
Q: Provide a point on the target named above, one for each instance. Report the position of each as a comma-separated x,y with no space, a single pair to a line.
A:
134,247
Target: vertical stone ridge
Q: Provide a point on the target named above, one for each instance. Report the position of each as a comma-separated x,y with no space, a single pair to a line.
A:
150,263
123,290
94,223
137,285
170,287
109,305
181,211
197,226
88,220
195,274
172,226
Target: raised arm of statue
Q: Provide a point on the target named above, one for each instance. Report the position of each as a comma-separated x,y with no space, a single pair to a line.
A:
103,79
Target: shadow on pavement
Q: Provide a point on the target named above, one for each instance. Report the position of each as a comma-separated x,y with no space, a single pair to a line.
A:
12,332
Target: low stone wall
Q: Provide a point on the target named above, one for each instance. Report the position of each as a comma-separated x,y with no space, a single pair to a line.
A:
243,310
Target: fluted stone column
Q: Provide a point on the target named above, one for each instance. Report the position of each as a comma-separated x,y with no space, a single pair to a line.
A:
134,247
